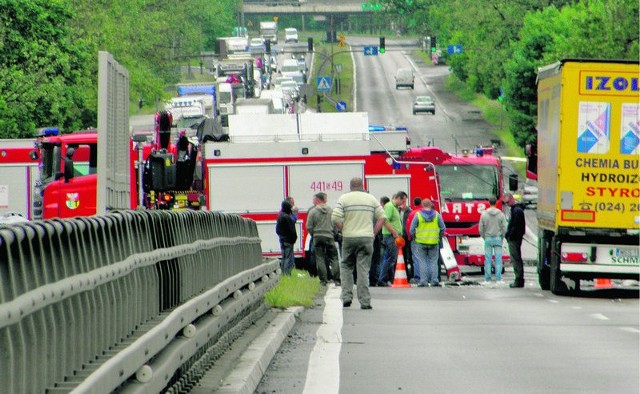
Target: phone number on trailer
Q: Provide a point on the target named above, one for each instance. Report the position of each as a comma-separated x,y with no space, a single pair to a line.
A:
612,207
321,186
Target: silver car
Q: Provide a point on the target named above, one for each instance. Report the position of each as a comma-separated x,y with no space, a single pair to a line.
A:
424,104
529,193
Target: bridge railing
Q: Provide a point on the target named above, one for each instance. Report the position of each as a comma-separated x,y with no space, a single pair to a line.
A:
125,301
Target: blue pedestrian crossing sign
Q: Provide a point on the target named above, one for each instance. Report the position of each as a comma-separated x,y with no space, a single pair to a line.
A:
324,84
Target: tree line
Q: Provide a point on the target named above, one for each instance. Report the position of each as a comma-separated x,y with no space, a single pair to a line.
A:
50,48
49,61
505,41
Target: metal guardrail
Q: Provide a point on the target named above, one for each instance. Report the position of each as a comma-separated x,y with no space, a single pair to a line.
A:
128,301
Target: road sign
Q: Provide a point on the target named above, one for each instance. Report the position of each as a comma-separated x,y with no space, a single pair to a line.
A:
324,84
341,106
371,50
341,40
454,49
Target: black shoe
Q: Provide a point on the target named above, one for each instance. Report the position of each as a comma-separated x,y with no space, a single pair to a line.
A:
516,284
382,284
346,304
366,307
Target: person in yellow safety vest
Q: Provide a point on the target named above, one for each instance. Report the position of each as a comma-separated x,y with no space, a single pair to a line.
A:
427,229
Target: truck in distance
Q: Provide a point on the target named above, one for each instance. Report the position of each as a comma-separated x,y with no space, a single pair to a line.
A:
269,31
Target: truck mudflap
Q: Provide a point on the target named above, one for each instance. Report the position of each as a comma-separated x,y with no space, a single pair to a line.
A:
450,263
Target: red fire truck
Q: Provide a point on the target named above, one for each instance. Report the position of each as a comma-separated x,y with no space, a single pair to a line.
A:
300,155
67,182
265,158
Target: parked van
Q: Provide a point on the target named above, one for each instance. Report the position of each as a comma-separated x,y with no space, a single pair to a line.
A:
404,77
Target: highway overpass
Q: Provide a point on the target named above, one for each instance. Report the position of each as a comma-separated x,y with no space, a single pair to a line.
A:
308,7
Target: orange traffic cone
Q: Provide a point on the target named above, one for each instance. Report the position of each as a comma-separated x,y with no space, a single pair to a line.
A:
400,278
602,283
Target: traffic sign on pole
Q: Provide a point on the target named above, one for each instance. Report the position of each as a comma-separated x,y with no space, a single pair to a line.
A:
371,50
454,49
341,106
324,84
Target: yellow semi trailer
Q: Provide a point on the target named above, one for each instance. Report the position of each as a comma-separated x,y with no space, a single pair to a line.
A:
588,172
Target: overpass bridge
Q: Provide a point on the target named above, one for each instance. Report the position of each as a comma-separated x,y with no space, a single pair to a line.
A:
305,7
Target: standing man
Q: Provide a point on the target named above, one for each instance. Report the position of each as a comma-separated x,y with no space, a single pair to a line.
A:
515,233
493,227
417,206
427,230
377,246
404,211
322,232
389,235
286,230
354,214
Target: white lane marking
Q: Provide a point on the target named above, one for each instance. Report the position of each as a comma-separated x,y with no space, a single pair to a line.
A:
598,316
554,301
632,330
323,372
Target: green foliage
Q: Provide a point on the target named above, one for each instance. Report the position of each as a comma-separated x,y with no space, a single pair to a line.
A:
44,78
504,42
297,289
49,60
598,29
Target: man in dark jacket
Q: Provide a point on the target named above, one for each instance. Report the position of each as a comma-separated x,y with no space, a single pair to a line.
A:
286,230
515,233
323,233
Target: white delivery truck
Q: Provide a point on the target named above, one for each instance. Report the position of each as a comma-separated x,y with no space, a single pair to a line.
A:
269,31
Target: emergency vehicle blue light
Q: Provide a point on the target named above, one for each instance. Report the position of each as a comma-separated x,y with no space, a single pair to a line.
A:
49,131
387,128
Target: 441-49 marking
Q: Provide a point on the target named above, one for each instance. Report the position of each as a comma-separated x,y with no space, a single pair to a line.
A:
324,186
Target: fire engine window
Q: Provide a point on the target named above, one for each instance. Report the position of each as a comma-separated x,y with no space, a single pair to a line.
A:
467,182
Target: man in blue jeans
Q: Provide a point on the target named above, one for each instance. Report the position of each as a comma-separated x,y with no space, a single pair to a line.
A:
493,227
427,230
287,234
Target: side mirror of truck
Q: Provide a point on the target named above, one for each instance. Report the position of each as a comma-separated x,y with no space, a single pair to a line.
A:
513,182
68,169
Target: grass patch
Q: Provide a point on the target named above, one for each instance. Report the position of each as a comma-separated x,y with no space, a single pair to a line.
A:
297,289
425,56
322,67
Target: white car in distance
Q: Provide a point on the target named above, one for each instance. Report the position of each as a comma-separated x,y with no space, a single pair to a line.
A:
290,34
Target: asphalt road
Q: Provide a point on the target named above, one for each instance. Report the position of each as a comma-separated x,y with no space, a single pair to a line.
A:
469,338
472,339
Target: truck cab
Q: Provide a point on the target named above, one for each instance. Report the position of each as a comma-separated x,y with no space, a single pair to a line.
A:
68,175
226,101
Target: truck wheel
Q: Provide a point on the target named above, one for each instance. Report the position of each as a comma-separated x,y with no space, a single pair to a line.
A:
543,257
